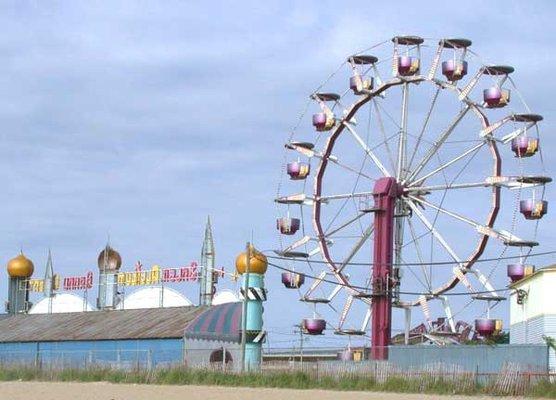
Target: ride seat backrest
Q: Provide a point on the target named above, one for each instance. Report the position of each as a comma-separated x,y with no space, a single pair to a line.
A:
498,325
505,98
414,65
532,146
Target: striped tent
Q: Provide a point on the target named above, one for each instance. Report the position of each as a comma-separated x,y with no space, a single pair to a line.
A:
220,323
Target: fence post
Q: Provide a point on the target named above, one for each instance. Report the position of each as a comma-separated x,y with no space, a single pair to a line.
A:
150,359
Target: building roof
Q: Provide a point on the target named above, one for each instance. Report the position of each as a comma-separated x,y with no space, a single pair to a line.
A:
540,271
153,323
220,323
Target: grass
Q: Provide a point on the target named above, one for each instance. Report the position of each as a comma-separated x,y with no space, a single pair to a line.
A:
290,380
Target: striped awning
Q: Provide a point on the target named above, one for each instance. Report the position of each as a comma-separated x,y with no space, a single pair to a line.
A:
221,322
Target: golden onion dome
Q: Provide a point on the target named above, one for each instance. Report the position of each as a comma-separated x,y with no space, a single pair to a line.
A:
20,267
257,262
109,260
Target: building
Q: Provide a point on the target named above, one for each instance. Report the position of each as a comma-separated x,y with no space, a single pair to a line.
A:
533,308
153,325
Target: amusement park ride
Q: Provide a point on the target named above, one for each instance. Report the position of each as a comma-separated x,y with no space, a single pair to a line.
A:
424,187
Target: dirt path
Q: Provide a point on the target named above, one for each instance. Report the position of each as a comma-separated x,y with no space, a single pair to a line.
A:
108,391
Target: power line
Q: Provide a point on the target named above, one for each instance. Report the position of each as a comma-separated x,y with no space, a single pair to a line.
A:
419,264
400,292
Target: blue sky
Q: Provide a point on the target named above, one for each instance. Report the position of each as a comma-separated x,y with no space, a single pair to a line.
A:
139,119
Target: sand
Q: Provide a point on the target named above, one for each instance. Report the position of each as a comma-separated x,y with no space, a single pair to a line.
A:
108,391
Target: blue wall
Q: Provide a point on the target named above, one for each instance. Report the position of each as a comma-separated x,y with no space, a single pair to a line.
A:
109,353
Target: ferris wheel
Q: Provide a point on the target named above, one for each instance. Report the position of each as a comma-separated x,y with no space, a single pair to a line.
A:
400,185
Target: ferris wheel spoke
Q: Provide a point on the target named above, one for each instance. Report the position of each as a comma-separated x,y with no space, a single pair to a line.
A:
385,137
434,232
423,128
486,183
447,212
449,163
419,252
325,199
439,142
344,225
350,169
367,150
355,249
402,140
425,286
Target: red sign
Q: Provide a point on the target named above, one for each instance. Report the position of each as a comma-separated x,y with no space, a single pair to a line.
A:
183,274
79,282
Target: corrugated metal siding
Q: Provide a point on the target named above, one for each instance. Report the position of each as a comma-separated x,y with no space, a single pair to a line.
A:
479,358
517,333
78,354
153,323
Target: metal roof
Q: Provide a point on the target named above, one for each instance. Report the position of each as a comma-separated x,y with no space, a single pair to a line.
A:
548,268
148,323
220,322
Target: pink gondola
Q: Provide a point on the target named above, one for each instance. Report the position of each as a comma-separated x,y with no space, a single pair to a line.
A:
533,209
524,146
298,170
313,326
323,121
495,97
454,70
517,272
486,327
287,225
292,280
408,66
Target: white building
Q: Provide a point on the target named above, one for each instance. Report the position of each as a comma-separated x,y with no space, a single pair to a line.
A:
533,309
61,303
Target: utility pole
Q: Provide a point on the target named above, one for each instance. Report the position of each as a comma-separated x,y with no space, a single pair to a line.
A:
244,309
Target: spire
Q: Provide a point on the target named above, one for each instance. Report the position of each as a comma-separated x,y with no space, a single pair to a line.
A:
207,278
208,243
49,277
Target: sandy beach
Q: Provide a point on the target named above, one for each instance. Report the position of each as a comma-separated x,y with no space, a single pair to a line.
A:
108,391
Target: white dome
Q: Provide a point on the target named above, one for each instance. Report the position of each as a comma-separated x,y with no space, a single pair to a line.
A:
61,303
154,297
224,296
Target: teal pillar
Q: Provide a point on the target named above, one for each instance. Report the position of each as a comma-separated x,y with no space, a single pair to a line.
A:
255,335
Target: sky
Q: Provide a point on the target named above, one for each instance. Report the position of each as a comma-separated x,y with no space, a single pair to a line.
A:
135,120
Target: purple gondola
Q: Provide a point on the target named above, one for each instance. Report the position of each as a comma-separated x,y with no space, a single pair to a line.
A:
298,170
454,70
495,97
407,65
287,225
524,146
292,280
313,326
323,121
533,209
517,272
487,326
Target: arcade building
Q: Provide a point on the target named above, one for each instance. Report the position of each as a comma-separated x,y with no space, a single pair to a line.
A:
153,326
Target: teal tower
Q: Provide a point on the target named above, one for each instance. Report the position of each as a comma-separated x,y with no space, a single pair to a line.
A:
252,266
